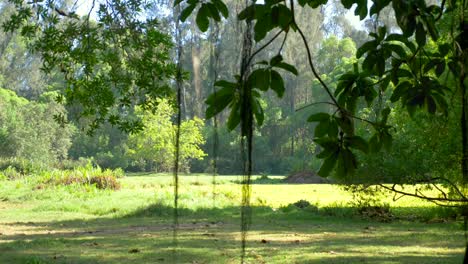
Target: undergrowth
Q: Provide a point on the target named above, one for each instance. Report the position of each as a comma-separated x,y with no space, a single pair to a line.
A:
82,175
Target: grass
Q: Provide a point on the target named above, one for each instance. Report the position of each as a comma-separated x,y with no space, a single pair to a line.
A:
82,224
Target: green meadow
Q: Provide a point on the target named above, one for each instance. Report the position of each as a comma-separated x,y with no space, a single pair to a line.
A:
83,224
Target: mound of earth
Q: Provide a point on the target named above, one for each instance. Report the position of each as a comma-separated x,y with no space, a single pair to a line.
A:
305,177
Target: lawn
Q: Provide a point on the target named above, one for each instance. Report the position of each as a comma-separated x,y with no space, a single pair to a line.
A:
81,224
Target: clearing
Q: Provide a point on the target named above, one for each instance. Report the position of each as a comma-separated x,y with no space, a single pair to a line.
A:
81,224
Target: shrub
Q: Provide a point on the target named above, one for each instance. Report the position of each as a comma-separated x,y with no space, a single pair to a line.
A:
105,182
2,176
22,166
377,212
87,175
11,173
302,204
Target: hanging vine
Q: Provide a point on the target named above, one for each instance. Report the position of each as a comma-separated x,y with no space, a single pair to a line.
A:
247,126
179,84
214,63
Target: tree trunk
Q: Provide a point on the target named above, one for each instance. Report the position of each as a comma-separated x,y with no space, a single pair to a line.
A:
196,78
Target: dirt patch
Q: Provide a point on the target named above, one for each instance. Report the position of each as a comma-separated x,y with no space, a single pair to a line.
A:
304,177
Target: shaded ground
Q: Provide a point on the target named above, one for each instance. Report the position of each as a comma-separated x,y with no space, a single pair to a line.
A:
146,237
305,177
144,234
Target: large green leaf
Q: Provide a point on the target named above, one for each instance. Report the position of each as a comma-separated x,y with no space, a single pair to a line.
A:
202,18
277,83
260,78
318,117
221,6
328,164
287,67
186,12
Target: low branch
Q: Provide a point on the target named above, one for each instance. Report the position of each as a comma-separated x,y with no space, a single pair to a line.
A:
422,196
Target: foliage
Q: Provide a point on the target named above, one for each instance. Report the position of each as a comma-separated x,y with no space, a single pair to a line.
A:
105,75
29,132
411,61
101,179
154,148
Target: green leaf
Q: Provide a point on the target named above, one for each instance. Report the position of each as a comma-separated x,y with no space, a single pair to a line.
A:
234,117
226,84
420,35
346,125
374,144
328,165
399,91
177,2
444,49
396,37
221,7
284,17
318,117
366,47
333,129
202,19
399,50
385,113
248,13
276,60
341,166
277,83
322,128
186,12
431,105
261,28
218,101
347,3
260,78
287,67
350,162
361,9
380,66
386,139
328,150
378,6
359,143
258,112
214,12
440,69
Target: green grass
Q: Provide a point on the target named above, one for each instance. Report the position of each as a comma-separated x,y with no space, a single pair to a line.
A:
81,224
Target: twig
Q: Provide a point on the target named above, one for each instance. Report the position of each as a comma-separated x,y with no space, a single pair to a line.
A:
313,104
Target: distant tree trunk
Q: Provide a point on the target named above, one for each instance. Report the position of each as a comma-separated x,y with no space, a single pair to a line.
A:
196,77
292,107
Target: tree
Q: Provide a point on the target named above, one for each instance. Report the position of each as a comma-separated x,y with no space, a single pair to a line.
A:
28,130
154,147
401,60
109,65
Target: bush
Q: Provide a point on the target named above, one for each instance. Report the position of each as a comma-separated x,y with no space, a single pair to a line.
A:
11,173
302,204
21,166
367,201
377,212
87,175
105,182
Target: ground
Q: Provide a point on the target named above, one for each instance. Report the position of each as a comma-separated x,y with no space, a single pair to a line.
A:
76,224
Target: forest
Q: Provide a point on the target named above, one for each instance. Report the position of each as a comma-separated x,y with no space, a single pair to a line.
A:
227,131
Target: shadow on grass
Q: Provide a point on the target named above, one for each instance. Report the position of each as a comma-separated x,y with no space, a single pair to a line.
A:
211,235
262,180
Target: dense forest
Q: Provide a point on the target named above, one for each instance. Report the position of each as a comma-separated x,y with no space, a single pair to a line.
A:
338,130
282,145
